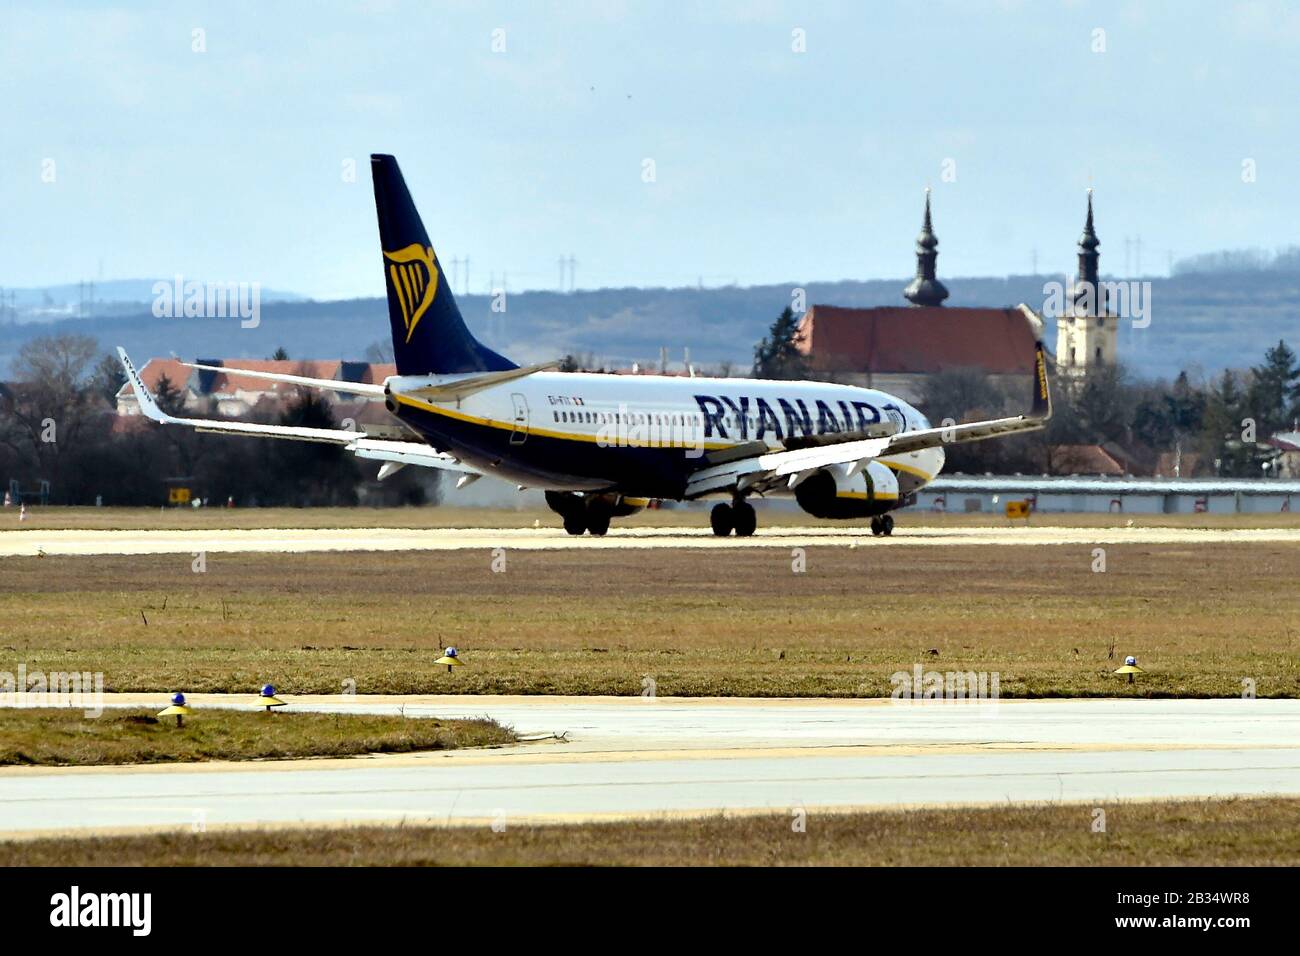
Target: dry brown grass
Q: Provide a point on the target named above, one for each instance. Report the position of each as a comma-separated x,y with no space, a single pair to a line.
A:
1257,832
454,517
49,736
1200,618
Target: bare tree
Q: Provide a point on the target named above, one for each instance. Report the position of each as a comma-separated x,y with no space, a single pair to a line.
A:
50,402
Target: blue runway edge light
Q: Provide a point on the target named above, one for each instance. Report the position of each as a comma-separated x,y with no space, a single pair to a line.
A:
268,690
178,699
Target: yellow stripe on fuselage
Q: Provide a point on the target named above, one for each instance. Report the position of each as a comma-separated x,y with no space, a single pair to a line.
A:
910,469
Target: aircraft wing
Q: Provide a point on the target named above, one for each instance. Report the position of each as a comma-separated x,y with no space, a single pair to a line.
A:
790,467
357,442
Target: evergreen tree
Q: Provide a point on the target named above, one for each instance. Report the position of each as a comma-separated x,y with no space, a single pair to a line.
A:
1224,430
1275,390
313,473
168,397
776,356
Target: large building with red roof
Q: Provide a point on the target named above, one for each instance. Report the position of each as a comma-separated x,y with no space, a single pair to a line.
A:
897,348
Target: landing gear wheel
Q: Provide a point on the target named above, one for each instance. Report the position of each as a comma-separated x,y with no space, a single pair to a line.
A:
597,519
877,528
887,525
575,522
744,518
722,520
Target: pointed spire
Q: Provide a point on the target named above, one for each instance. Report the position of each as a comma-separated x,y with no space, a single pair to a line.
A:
927,237
1089,299
1089,239
926,289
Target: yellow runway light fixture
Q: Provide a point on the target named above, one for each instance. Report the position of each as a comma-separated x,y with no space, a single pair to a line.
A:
178,709
1130,668
451,658
266,697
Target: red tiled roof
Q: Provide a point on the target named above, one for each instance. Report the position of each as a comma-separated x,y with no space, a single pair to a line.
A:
917,339
230,381
1084,460
153,371
376,372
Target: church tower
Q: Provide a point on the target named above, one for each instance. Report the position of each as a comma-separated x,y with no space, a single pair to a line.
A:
925,289
1087,333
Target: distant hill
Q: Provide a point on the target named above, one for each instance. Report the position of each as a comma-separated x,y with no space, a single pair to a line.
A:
1204,321
113,296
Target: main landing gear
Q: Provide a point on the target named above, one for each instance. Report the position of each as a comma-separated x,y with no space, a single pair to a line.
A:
882,524
581,516
739,516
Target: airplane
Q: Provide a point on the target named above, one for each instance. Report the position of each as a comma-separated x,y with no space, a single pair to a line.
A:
603,446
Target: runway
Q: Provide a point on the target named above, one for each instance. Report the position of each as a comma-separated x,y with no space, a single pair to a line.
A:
628,757
32,542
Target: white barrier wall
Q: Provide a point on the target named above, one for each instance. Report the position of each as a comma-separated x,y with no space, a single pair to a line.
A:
976,502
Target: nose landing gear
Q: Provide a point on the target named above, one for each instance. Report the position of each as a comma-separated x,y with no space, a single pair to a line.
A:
739,516
882,524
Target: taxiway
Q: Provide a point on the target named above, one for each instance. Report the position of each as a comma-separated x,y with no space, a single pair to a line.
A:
602,758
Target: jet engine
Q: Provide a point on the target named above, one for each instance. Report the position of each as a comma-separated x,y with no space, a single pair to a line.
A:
829,494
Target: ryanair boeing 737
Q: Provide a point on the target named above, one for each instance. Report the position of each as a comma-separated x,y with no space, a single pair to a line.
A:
602,446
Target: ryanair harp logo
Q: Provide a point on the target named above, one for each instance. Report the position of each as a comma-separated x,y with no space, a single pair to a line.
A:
414,276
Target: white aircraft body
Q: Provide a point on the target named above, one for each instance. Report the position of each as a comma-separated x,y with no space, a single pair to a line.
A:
602,446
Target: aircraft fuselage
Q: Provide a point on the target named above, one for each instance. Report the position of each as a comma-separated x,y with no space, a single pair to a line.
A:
642,435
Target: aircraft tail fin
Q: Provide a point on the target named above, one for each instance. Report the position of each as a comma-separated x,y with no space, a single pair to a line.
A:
429,334
1041,408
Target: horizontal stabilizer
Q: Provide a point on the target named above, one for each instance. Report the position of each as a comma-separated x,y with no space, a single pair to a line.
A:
386,450
353,388
456,390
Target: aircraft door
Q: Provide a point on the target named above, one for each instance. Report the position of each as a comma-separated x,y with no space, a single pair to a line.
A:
520,430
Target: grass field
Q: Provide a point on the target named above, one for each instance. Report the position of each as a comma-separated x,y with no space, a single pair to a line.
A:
1200,618
49,736
1263,832
695,516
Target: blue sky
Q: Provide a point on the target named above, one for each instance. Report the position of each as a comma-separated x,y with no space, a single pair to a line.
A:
770,165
